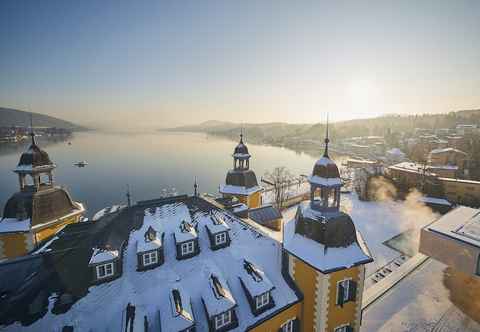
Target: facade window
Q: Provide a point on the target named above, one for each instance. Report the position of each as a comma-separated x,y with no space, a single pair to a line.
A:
288,326
344,328
346,291
150,258
223,319
187,248
220,238
478,266
104,270
262,300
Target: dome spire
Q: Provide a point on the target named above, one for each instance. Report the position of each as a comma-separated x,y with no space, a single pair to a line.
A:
241,135
327,140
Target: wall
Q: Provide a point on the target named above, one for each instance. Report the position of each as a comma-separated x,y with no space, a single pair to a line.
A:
274,323
462,192
461,256
15,244
45,233
337,315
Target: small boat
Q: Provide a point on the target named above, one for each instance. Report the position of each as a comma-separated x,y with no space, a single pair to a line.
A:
82,163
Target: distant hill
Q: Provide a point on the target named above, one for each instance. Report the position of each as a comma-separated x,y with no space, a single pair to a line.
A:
11,117
284,134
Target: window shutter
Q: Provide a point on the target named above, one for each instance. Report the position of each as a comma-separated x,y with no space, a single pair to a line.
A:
340,295
296,325
352,290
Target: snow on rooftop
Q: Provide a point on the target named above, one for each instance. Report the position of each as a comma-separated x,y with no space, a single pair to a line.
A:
324,161
462,223
11,225
102,255
217,296
238,190
240,208
434,200
321,257
396,152
101,308
241,155
255,280
314,179
142,236
217,223
180,317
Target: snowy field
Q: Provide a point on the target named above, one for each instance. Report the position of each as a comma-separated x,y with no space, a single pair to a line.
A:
429,299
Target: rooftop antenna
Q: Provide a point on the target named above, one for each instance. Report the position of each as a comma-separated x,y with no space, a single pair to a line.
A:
195,187
31,129
129,202
327,140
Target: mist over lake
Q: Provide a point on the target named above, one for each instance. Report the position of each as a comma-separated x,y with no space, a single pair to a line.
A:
148,162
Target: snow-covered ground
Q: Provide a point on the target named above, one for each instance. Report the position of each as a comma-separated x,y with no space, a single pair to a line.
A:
380,221
422,302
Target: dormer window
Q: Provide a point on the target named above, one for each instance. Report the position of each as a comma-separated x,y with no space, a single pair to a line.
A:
262,300
186,240
220,238
218,231
150,249
188,248
257,288
223,319
104,270
105,265
150,258
219,304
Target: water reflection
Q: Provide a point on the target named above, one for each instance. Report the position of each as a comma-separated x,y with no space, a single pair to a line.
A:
148,162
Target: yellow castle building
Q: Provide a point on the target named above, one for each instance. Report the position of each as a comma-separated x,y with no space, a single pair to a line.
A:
36,212
325,255
241,181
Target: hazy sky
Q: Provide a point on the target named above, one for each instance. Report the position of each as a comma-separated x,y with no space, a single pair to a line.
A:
162,63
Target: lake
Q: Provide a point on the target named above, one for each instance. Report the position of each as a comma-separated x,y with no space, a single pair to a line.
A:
148,162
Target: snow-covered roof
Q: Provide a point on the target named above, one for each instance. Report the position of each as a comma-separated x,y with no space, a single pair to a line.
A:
12,225
462,223
321,181
151,289
240,208
185,232
103,255
217,223
180,317
436,151
238,190
324,161
151,240
434,200
255,279
324,258
396,152
241,155
217,296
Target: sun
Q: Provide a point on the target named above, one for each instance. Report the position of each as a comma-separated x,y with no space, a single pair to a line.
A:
363,97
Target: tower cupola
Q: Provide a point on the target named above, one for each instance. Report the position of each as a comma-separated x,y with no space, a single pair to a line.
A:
325,182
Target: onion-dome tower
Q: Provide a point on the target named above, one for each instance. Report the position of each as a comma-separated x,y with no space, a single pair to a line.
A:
325,255
39,209
241,181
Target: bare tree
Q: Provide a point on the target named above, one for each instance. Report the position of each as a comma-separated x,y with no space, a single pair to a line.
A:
280,179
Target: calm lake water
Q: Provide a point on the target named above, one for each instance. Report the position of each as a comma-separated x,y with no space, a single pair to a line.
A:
148,162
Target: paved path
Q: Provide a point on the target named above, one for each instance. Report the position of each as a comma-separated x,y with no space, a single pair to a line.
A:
375,291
